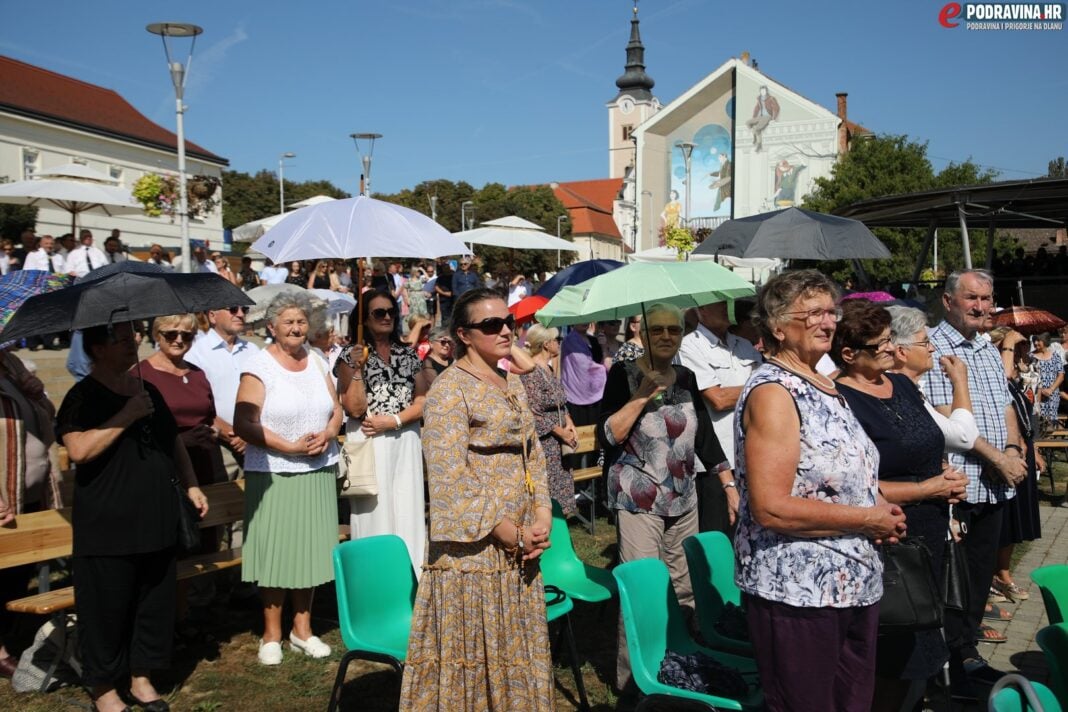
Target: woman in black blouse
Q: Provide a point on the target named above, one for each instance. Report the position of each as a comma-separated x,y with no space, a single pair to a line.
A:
912,473
124,442
383,392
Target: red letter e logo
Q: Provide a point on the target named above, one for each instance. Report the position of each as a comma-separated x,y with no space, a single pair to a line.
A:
949,12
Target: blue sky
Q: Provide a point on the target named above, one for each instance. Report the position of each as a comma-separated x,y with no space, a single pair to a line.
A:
514,90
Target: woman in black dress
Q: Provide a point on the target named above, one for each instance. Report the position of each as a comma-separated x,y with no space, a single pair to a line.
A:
911,473
124,442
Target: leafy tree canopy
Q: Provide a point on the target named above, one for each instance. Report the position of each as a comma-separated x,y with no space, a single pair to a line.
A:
15,218
889,165
1057,168
252,197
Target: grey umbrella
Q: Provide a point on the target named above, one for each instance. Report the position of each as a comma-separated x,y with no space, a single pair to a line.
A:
794,234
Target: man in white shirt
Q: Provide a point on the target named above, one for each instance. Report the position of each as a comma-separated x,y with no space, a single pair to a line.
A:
273,274
156,257
44,258
113,249
722,363
85,258
201,263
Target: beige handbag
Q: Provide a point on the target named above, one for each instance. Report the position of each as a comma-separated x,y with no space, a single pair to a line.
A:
359,478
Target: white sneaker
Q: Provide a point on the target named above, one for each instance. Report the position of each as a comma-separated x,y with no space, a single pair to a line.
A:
270,653
312,647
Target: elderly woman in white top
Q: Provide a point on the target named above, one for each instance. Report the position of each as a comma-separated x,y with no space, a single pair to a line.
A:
809,511
288,413
912,357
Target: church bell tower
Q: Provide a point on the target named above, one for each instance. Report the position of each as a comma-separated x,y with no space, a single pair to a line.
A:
631,106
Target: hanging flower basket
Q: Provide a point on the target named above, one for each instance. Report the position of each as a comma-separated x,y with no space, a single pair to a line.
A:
159,194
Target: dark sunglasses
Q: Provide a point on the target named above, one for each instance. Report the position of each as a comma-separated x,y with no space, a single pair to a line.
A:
173,334
383,313
445,342
235,310
494,324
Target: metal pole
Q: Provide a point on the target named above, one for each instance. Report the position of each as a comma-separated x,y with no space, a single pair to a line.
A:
1019,290
183,198
965,245
559,219
932,236
281,186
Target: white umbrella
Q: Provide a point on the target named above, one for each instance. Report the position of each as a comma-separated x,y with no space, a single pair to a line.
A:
256,228
357,227
74,188
262,296
336,302
514,232
665,254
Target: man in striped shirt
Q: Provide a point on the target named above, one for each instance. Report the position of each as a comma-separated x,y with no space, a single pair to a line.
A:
994,466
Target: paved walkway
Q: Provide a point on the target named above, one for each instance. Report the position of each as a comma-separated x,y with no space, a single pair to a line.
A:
1021,653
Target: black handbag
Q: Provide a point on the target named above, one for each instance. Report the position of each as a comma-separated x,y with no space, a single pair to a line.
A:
954,573
188,518
911,596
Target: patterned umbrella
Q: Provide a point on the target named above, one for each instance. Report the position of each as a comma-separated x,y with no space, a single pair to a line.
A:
18,286
1028,320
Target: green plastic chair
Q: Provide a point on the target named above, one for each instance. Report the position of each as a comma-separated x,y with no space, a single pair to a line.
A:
1053,583
1015,693
1054,643
561,567
710,558
559,606
375,587
654,624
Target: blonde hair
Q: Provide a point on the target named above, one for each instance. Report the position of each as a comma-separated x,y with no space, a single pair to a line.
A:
173,321
538,336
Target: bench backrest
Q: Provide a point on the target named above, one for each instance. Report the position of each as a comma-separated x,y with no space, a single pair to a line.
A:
43,536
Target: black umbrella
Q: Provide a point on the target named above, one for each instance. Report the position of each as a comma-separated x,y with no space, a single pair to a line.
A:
130,292
794,234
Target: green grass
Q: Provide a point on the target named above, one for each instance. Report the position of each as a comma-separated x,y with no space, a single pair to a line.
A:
215,664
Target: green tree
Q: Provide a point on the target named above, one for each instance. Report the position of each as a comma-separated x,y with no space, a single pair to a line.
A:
890,165
15,218
1057,168
252,197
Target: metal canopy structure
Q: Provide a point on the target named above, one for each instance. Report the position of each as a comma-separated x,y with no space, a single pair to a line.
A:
1038,203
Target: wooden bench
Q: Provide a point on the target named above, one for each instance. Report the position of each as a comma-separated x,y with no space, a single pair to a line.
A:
1051,447
587,444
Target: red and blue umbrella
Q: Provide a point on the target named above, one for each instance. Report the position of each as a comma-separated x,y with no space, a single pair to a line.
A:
18,286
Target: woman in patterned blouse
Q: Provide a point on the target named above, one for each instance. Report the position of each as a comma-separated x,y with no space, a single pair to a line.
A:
810,509
384,399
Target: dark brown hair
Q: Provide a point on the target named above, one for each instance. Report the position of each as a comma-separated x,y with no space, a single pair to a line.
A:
861,322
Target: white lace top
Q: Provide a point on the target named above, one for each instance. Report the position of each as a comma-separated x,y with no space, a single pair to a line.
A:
294,404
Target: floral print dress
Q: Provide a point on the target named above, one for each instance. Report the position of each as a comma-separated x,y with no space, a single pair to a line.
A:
479,639
1048,370
548,402
839,463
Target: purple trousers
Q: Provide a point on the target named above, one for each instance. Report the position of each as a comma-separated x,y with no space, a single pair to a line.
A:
814,659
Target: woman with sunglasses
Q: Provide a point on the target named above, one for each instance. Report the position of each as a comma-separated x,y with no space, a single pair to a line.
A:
124,441
809,511
479,639
187,392
379,389
323,277
912,473
653,428
441,350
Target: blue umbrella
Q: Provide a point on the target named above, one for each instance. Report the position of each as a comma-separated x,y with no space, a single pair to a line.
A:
576,274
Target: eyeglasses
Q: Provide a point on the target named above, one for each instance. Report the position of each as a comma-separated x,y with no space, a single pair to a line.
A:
444,342
559,339
235,310
813,317
173,334
494,324
925,343
877,346
661,330
383,313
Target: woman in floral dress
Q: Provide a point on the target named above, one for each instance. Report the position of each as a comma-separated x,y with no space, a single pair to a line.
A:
479,639
1050,369
551,420
416,295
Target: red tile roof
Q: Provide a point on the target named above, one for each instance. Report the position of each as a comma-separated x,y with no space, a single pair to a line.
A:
38,93
589,205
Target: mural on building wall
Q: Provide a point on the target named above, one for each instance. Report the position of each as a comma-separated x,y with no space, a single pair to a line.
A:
765,110
787,175
711,168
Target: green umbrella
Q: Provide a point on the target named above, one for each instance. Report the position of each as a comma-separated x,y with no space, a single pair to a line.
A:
628,290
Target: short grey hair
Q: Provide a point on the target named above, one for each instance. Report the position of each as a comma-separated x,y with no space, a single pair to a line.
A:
953,280
289,300
780,292
666,308
439,332
904,322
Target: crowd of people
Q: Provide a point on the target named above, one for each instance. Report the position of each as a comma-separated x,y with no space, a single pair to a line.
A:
811,428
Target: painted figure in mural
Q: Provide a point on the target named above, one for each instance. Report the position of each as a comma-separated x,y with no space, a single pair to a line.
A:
724,176
765,111
670,217
786,176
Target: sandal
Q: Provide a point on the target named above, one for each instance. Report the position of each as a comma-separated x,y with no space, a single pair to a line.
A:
995,596
1011,590
996,613
988,634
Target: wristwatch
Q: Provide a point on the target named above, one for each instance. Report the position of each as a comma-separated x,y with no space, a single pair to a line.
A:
730,484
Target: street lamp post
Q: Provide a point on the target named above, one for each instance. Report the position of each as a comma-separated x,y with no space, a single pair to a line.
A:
365,158
179,72
464,225
559,220
687,148
281,180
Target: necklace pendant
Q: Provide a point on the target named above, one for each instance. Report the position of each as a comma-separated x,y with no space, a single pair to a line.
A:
185,379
